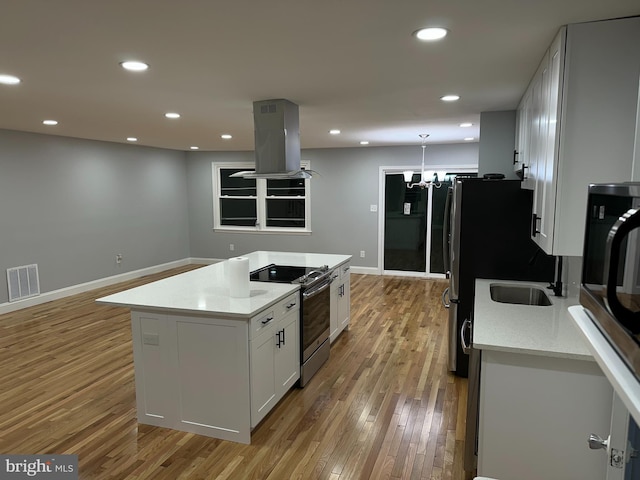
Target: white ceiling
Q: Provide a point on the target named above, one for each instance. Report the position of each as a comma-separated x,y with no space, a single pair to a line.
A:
348,64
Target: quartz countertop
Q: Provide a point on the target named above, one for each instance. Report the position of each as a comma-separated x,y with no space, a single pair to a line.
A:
205,290
535,330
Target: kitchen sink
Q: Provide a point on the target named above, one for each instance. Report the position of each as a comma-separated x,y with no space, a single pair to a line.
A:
519,294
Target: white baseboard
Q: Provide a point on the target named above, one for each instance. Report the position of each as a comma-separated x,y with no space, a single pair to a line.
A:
365,270
102,282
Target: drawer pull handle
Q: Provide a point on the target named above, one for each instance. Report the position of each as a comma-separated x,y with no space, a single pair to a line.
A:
291,305
266,320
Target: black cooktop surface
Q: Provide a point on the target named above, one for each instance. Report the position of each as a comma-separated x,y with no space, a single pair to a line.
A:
280,273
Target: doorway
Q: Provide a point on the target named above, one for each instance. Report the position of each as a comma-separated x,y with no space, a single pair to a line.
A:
412,224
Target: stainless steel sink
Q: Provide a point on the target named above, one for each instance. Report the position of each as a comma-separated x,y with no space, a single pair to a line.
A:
519,294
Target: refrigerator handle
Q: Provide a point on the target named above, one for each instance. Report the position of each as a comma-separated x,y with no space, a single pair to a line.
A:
446,232
446,303
466,325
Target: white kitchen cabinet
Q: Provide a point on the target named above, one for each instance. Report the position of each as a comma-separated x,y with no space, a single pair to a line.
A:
340,300
536,415
275,364
581,125
192,374
214,376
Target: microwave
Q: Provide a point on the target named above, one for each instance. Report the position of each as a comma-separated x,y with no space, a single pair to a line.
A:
610,284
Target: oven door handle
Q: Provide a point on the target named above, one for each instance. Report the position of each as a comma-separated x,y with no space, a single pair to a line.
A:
316,290
623,226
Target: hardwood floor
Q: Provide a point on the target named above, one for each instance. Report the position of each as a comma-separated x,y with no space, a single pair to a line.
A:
383,407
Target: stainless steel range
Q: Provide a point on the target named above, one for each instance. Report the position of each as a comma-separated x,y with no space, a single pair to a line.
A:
314,312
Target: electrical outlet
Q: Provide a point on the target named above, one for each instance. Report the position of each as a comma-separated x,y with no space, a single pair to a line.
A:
361,253
118,258
232,247
373,208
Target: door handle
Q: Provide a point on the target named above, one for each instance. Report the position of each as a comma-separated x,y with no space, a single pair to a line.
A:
596,442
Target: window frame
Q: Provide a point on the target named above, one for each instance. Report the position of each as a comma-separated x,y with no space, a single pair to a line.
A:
261,202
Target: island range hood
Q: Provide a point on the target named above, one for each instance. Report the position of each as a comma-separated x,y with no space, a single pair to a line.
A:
277,141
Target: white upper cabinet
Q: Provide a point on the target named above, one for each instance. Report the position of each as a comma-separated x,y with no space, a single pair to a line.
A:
576,126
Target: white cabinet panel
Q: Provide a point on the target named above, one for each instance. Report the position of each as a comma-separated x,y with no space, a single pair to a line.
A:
536,414
340,300
212,373
275,364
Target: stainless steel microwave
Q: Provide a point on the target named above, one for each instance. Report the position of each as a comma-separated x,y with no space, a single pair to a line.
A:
610,287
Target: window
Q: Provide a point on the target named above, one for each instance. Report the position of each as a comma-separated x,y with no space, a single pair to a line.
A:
259,205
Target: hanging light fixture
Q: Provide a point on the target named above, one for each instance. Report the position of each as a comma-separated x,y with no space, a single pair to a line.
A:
427,177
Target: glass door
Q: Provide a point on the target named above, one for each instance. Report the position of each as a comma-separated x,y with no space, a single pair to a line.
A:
405,225
413,225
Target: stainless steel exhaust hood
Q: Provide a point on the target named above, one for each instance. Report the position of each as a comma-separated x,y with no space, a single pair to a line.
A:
277,141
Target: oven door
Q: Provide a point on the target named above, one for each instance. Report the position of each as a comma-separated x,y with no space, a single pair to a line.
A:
316,311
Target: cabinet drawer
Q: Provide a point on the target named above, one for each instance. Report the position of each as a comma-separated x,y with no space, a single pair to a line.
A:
262,322
289,304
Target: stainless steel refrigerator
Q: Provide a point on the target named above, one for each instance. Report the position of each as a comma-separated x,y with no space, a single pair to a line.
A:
488,236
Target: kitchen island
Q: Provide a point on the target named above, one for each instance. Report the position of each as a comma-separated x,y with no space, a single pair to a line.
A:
541,392
208,363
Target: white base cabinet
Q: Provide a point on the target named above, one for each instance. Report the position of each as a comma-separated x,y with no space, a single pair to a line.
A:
214,376
340,300
536,414
275,364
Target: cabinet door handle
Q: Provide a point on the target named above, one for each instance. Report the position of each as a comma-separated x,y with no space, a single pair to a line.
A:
515,153
266,320
534,224
278,341
283,337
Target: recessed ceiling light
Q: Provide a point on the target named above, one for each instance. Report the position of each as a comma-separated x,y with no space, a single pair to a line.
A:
194,147
364,142
134,66
9,80
431,33
450,98
466,124
469,139
172,115
50,122
335,131
132,139
226,136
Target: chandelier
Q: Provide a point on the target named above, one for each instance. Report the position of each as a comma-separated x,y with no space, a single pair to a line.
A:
427,177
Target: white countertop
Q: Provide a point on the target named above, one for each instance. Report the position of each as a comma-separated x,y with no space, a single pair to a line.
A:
534,330
205,290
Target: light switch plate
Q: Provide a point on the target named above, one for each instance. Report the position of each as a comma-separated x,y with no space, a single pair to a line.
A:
374,208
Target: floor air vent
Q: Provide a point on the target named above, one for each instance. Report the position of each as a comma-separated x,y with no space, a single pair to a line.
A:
23,282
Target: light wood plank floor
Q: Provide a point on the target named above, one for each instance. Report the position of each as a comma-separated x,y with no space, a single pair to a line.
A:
383,407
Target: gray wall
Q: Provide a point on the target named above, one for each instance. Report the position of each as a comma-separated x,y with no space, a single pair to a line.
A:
341,195
71,205
497,142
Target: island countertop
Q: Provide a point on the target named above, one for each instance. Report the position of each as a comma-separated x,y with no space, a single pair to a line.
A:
205,290
534,330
